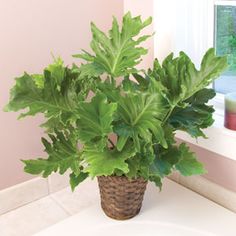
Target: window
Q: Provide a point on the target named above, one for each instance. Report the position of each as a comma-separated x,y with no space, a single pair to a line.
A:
225,43
188,25
183,25
194,26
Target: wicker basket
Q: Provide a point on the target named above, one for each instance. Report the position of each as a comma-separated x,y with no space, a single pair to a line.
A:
121,198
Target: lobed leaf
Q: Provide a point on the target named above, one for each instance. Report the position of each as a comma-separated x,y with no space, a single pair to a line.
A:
140,118
118,53
62,155
164,161
180,77
95,120
106,162
54,93
188,164
196,115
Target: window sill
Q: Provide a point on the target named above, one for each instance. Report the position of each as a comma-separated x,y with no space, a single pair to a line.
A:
220,140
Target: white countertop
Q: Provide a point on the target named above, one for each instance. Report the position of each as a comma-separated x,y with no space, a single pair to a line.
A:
173,211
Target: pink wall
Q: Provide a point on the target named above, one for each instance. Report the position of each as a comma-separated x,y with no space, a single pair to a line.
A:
30,31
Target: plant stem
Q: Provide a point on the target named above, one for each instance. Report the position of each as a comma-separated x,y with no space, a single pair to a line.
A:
110,141
168,114
112,80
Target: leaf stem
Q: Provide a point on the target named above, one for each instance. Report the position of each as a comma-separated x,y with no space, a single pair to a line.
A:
113,81
168,114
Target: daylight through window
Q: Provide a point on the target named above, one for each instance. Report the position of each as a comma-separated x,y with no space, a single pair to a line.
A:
225,44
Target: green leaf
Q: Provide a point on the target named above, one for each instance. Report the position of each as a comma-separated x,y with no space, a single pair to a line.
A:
139,165
55,94
188,164
95,120
157,180
140,116
75,180
196,115
107,161
180,77
143,81
27,93
202,96
165,160
117,53
62,155
57,70
129,85
91,70
39,80
134,167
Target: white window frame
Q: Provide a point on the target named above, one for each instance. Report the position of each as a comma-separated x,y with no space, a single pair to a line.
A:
220,140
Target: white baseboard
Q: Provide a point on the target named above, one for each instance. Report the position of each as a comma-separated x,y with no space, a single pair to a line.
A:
29,191
21,194
208,189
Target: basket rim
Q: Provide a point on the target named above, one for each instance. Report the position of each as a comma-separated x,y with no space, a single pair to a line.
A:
122,177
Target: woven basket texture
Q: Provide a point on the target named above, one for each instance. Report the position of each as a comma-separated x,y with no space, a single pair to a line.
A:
121,198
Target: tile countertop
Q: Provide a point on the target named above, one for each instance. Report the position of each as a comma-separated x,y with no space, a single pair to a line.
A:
174,211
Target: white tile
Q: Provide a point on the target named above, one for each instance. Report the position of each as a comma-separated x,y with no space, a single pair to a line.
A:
175,209
85,194
57,182
31,218
22,194
210,190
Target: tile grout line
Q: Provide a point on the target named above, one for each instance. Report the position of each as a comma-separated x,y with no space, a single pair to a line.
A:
60,205
22,189
24,204
48,188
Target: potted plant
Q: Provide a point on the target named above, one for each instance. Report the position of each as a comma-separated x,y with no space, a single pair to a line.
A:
124,118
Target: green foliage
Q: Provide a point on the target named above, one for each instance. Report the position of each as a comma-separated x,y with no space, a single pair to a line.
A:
140,118
106,162
199,114
164,161
117,53
182,80
175,157
62,155
139,114
39,93
102,127
188,164
139,165
55,93
94,122
76,179
184,87
225,34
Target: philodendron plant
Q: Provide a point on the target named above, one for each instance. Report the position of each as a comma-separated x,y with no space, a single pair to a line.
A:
124,119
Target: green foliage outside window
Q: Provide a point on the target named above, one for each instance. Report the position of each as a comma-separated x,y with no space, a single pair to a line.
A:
225,19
